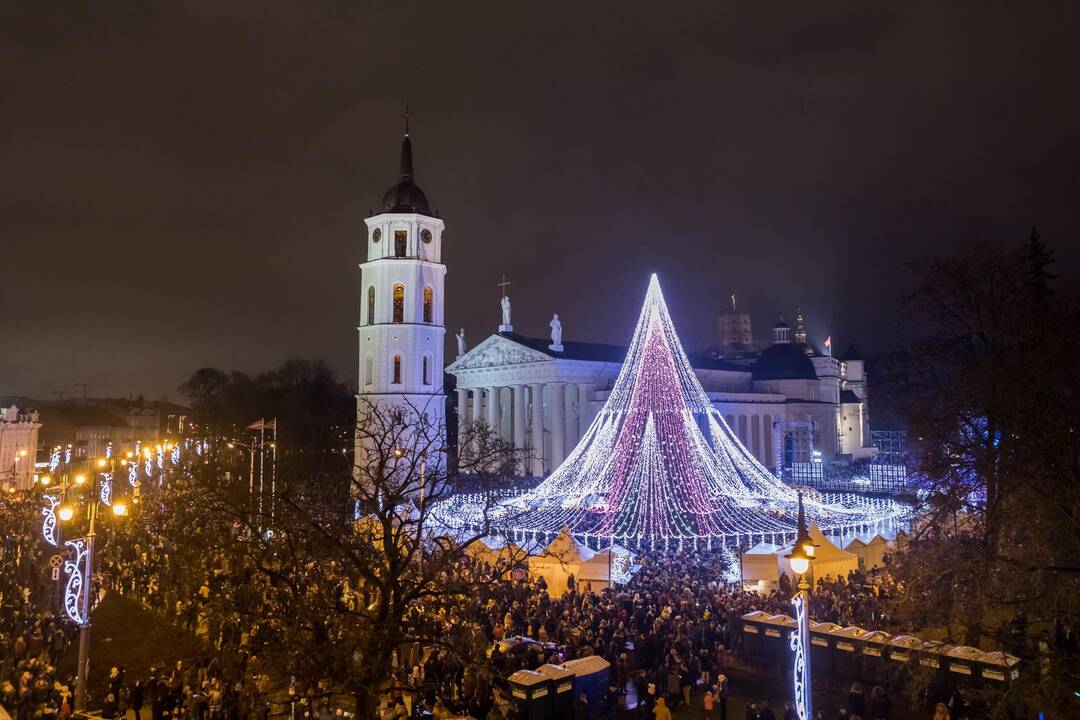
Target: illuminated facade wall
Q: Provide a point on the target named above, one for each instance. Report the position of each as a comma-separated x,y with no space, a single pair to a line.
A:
18,446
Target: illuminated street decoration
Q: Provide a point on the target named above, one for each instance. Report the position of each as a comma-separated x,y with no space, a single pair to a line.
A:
800,645
106,488
133,474
67,455
54,459
660,468
174,458
108,451
75,584
48,525
160,458
148,467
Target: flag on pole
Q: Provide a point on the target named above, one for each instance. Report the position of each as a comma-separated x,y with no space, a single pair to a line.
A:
263,425
828,345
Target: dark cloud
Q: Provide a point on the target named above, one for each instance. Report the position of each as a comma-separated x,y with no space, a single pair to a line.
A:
185,184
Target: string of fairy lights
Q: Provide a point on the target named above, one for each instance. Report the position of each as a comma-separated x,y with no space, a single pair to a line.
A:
660,468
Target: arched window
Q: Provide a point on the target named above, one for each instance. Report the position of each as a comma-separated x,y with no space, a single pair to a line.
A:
371,305
401,238
428,298
397,369
399,303
427,371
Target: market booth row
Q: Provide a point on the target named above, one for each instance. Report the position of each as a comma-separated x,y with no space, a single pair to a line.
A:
762,565
876,658
567,562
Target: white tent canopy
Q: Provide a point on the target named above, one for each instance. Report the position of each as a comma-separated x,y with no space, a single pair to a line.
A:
829,560
566,558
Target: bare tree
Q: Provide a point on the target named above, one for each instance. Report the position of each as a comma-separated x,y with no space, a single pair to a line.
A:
359,570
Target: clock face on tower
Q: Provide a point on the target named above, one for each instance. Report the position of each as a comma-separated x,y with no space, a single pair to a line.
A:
376,235
425,235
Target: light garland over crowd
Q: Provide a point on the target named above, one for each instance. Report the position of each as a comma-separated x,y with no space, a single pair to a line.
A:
659,468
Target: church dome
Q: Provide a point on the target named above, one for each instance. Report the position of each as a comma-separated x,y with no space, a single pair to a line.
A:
783,361
406,196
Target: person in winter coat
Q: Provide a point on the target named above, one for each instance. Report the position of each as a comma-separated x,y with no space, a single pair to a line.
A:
136,698
661,712
856,701
108,709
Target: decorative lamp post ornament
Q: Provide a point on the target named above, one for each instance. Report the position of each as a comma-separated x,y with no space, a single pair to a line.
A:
802,554
106,488
48,525
75,600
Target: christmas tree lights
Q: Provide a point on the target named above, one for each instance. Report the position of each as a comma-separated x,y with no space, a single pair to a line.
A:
660,468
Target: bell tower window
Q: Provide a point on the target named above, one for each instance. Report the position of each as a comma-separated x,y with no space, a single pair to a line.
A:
371,305
399,303
401,238
428,296
427,371
397,369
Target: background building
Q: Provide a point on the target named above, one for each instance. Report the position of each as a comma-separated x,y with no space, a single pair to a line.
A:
90,425
18,446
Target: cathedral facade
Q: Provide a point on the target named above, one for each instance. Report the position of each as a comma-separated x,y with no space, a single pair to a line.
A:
787,403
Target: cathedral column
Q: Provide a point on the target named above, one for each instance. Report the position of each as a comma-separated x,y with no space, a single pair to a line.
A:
571,423
558,423
477,405
537,392
494,410
584,391
462,410
518,411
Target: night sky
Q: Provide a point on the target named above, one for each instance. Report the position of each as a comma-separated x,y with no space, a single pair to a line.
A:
184,184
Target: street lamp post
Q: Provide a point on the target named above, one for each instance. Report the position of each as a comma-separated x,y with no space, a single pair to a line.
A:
802,554
251,474
80,584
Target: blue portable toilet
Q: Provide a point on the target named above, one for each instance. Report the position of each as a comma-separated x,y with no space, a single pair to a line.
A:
776,640
562,689
531,693
822,643
753,634
591,676
848,652
875,662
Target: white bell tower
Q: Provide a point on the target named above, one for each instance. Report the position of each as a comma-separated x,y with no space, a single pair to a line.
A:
401,306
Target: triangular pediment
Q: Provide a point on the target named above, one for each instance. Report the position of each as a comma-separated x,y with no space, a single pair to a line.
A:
496,352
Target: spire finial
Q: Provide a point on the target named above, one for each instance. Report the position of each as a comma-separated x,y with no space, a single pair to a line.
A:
406,115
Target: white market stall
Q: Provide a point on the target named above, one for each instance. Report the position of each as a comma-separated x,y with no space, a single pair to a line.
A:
760,568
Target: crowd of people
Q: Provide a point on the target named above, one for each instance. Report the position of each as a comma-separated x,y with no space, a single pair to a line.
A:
33,637
668,634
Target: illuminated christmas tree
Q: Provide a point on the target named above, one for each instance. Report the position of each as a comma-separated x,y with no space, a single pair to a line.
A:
660,467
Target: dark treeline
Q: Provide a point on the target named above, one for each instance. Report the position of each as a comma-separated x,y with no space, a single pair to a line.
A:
314,410
988,391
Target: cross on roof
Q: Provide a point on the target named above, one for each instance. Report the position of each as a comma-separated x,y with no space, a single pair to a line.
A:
504,284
